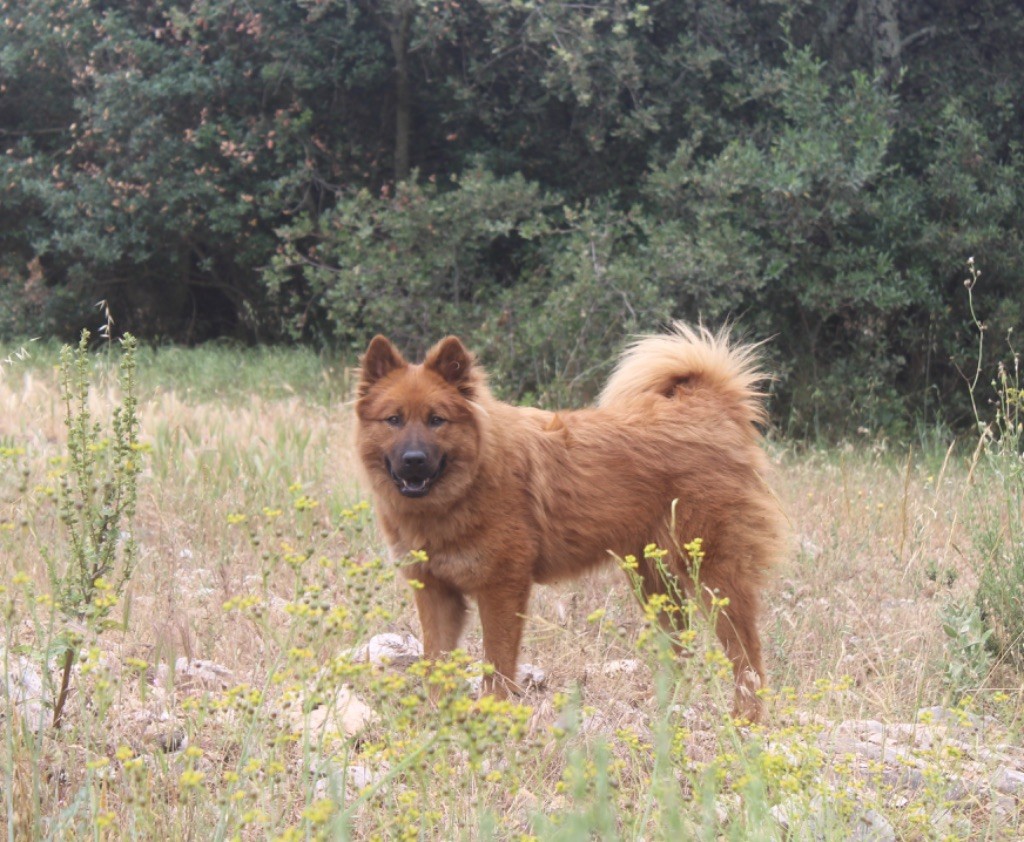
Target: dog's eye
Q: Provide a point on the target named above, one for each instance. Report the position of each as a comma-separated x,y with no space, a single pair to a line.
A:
436,421
393,420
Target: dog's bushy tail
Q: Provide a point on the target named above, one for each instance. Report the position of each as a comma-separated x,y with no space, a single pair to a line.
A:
686,361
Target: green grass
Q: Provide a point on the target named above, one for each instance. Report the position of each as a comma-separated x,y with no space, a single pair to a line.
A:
259,562
222,372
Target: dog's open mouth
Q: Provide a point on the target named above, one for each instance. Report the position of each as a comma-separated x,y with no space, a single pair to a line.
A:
415,483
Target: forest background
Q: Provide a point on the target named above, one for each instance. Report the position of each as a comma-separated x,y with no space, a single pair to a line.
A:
542,178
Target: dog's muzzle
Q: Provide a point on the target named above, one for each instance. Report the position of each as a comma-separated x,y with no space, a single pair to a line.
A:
415,473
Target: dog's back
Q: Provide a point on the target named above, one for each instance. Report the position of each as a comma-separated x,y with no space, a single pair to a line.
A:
677,421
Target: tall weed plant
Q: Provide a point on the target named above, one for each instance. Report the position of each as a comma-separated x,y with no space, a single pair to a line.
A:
1000,533
97,501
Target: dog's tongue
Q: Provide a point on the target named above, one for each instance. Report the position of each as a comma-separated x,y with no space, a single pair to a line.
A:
414,484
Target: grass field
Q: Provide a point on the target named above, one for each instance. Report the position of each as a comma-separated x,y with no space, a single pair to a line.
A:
223,695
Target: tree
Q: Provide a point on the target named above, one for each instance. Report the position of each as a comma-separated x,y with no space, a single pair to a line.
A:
818,171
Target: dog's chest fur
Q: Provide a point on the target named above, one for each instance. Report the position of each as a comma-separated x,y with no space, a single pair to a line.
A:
464,568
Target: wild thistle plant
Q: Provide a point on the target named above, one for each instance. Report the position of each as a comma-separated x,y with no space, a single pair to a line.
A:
969,659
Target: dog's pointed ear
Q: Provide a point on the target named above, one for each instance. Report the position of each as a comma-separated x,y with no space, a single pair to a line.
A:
454,363
380,359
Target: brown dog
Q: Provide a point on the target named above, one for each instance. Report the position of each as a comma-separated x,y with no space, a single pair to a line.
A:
500,497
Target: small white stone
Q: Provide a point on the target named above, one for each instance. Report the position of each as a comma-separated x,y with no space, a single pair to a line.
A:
626,666
398,650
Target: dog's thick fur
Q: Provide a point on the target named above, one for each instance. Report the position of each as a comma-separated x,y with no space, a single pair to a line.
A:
500,497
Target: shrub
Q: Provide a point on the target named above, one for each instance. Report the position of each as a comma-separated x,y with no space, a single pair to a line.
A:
414,264
555,336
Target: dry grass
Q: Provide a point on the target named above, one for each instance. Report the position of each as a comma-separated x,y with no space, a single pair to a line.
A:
215,749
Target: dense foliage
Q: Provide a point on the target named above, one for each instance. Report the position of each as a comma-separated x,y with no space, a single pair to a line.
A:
543,177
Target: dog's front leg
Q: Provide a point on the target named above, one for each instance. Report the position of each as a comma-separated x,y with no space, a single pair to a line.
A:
502,615
442,610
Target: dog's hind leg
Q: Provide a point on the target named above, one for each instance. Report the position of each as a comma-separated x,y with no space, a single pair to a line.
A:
502,616
656,580
736,627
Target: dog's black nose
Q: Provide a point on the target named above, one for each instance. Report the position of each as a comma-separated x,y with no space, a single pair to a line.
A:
414,459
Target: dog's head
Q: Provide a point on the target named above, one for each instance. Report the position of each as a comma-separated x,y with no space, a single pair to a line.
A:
417,429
